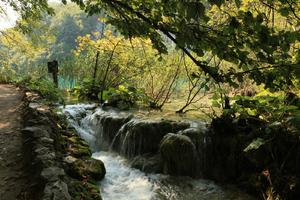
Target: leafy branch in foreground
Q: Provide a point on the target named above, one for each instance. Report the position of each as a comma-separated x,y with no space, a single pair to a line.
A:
233,31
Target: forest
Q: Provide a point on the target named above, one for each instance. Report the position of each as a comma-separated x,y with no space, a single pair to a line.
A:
202,90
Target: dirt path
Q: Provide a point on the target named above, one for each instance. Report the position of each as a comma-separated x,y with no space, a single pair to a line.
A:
12,177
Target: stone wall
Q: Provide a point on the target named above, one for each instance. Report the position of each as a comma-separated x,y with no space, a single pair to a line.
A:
58,161
40,149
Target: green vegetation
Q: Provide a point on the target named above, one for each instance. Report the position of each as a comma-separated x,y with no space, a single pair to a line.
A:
233,60
223,44
45,88
161,52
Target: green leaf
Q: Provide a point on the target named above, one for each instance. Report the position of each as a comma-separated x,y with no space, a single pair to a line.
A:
122,88
216,104
255,144
238,3
106,95
284,11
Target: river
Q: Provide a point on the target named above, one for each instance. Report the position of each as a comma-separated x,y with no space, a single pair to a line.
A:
125,183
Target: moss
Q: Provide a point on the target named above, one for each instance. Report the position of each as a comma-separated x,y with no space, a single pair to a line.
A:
79,151
84,190
84,169
179,155
76,146
91,169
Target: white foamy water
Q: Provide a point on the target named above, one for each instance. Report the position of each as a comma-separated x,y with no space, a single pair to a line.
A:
121,182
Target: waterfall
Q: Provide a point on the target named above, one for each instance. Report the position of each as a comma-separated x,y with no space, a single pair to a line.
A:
125,183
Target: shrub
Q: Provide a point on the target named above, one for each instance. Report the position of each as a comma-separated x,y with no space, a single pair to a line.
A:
87,90
45,88
123,97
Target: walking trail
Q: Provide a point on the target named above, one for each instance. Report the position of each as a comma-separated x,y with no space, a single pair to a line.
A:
12,175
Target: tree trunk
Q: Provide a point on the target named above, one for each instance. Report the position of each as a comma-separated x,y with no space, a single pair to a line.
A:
96,68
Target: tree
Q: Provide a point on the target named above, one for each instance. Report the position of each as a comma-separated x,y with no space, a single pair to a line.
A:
116,59
50,37
233,31
28,10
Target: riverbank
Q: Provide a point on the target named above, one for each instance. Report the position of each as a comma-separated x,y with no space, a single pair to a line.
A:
58,161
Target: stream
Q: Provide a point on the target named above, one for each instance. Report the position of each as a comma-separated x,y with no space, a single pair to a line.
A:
122,182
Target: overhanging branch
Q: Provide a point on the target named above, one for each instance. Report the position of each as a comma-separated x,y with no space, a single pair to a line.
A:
206,69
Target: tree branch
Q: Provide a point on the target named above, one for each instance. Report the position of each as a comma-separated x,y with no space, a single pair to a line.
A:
207,69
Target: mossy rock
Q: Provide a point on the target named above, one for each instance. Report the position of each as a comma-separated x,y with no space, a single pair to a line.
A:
196,136
140,137
79,151
91,169
76,146
147,163
77,140
83,190
179,155
67,133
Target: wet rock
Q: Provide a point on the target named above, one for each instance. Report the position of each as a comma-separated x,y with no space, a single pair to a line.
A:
139,137
77,147
83,190
77,140
147,163
110,124
90,168
79,151
258,156
39,107
199,139
196,135
38,119
70,159
179,155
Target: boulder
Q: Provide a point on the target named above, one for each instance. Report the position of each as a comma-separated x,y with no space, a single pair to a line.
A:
147,163
83,190
196,135
90,168
79,151
77,147
179,155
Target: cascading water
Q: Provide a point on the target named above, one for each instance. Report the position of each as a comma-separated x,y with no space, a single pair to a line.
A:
124,183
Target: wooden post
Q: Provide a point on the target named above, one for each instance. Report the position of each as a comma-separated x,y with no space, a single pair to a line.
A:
53,69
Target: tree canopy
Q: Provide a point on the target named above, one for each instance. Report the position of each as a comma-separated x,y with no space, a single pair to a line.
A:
233,43
240,32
